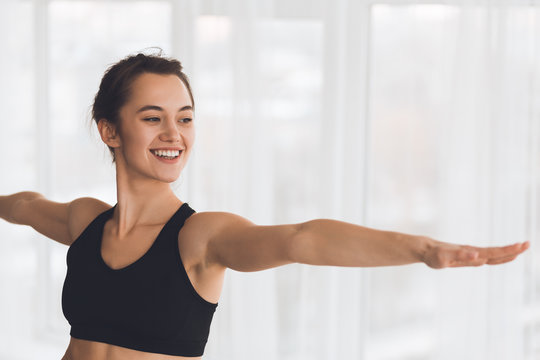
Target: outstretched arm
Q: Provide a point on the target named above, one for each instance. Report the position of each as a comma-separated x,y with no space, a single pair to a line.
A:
50,218
239,244
338,243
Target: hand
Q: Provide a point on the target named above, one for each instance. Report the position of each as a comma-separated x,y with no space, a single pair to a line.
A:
441,255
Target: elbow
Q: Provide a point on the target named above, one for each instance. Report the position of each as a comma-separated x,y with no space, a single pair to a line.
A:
16,207
297,246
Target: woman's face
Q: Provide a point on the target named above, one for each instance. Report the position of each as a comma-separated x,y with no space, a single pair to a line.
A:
156,131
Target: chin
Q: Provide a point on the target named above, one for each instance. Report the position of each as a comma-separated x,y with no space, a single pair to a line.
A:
170,179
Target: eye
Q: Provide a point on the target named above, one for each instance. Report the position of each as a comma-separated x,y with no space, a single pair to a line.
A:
151,119
186,120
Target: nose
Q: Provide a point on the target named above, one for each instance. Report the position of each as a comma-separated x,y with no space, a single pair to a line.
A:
170,132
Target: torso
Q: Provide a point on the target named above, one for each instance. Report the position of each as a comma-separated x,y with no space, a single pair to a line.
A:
207,279
91,350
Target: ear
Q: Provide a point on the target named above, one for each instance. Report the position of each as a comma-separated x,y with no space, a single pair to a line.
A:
108,133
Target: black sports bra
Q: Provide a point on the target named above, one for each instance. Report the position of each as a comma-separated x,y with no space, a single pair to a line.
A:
149,305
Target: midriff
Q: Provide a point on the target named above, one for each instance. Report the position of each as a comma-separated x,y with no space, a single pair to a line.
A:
91,350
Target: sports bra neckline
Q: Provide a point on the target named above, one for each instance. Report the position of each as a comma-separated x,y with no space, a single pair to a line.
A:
108,215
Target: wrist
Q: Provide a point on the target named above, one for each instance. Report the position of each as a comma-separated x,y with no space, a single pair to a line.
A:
423,246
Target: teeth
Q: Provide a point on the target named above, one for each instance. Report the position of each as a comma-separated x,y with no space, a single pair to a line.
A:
169,153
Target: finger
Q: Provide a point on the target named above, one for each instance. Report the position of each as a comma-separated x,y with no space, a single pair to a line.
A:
476,262
521,248
467,255
482,261
502,260
500,251
507,258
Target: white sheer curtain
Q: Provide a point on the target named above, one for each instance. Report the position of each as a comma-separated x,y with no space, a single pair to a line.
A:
400,115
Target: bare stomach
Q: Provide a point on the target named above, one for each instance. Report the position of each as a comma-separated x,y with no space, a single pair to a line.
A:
91,350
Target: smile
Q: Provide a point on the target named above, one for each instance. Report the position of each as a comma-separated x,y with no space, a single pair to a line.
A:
167,156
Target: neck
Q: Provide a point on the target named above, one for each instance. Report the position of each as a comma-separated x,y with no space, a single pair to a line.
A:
141,201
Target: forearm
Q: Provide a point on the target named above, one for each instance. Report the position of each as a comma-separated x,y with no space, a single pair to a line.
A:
338,243
8,203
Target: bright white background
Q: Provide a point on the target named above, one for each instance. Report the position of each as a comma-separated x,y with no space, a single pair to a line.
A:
410,116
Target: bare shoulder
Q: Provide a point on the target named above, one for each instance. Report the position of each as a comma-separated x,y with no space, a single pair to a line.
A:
218,218
209,223
59,221
199,229
82,212
234,242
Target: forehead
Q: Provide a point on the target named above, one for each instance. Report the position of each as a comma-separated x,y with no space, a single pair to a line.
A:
157,89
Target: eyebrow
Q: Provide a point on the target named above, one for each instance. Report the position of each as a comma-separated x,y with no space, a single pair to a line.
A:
159,108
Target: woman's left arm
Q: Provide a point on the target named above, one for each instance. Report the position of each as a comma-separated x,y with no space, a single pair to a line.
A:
338,243
241,245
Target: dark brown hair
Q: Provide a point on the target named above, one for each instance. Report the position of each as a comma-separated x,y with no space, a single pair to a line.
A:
114,90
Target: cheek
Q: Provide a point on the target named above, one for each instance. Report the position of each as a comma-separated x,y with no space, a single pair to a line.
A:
135,141
192,136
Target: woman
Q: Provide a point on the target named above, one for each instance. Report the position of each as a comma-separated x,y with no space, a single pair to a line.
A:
144,276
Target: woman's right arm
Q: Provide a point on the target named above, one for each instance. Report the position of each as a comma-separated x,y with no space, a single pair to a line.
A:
50,218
